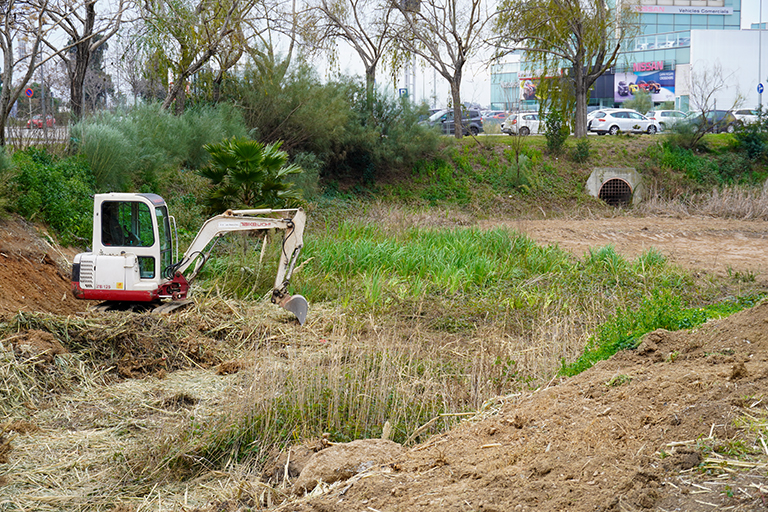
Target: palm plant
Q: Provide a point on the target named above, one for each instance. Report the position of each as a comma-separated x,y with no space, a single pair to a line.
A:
248,174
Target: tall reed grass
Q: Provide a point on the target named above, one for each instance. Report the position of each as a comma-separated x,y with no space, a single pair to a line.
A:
132,147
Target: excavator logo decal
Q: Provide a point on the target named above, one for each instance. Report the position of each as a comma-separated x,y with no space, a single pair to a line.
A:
235,225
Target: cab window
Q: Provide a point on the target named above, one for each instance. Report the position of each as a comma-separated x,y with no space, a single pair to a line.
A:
126,224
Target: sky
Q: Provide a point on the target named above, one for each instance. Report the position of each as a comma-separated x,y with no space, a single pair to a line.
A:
476,85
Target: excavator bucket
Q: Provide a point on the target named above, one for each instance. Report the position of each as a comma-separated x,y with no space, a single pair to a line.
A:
297,305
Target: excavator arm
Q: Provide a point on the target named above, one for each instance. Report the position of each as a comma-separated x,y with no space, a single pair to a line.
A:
290,221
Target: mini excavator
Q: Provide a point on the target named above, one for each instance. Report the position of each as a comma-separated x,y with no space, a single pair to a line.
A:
134,259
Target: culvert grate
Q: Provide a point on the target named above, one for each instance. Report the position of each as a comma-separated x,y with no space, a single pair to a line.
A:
616,192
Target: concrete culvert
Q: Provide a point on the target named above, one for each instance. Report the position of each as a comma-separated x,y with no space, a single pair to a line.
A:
617,186
616,192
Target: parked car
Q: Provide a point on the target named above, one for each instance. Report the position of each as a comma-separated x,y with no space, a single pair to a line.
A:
598,112
666,118
523,123
621,120
471,121
497,115
713,121
746,115
37,122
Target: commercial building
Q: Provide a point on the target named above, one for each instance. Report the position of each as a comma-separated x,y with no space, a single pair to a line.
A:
683,43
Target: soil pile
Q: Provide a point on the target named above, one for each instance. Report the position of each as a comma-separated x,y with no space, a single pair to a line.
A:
34,271
678,424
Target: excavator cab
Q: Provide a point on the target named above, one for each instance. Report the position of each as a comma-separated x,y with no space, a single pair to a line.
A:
138,225
132,245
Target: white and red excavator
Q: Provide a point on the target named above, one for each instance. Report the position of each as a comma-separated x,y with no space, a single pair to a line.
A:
134,259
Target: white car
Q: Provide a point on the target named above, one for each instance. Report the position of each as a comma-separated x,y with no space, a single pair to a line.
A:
746,115
523,123
621,120
666,118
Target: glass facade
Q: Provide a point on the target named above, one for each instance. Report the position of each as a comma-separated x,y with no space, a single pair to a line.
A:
505,86
664,42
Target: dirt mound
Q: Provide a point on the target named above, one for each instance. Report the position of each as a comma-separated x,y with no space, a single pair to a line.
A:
34,271
629,434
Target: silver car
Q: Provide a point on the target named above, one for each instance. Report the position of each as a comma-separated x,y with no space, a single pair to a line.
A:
666,118
621,120
746,115
524,123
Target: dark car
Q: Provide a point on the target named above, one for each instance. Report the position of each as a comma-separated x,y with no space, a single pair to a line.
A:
713,121
471,121
37,122
622,89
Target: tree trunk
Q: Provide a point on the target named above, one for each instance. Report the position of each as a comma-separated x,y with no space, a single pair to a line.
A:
82,58
580,90
458,130
76,97
370,84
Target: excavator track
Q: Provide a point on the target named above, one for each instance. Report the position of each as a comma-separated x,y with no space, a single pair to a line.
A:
158,308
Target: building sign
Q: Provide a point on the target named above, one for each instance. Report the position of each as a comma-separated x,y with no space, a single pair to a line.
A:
648,66
673,9
659,84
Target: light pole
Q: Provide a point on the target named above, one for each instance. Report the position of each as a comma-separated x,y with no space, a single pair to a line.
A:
760,59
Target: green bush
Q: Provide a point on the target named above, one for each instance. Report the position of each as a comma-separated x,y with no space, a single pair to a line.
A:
248,174
6,175
752,139
356,136
109,154
56,192
556,131
641,101
580,152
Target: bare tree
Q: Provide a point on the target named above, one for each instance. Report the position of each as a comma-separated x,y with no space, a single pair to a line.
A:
445,33
87,32
585,34
30,22
365,24
708,83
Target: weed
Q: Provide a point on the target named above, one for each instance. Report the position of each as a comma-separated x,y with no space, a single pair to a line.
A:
618,380
741,277
581,151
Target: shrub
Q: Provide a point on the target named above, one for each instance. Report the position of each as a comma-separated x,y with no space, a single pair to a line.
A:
641,101
6,174
247,174
752,139
127,150
556,131
57,192
108,152
581,151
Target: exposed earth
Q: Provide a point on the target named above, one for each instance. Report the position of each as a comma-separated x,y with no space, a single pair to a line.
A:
679,424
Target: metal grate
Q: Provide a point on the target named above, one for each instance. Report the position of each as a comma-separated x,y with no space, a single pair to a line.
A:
616,192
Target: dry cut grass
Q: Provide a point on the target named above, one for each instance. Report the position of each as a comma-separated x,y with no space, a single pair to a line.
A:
196,435
728,203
